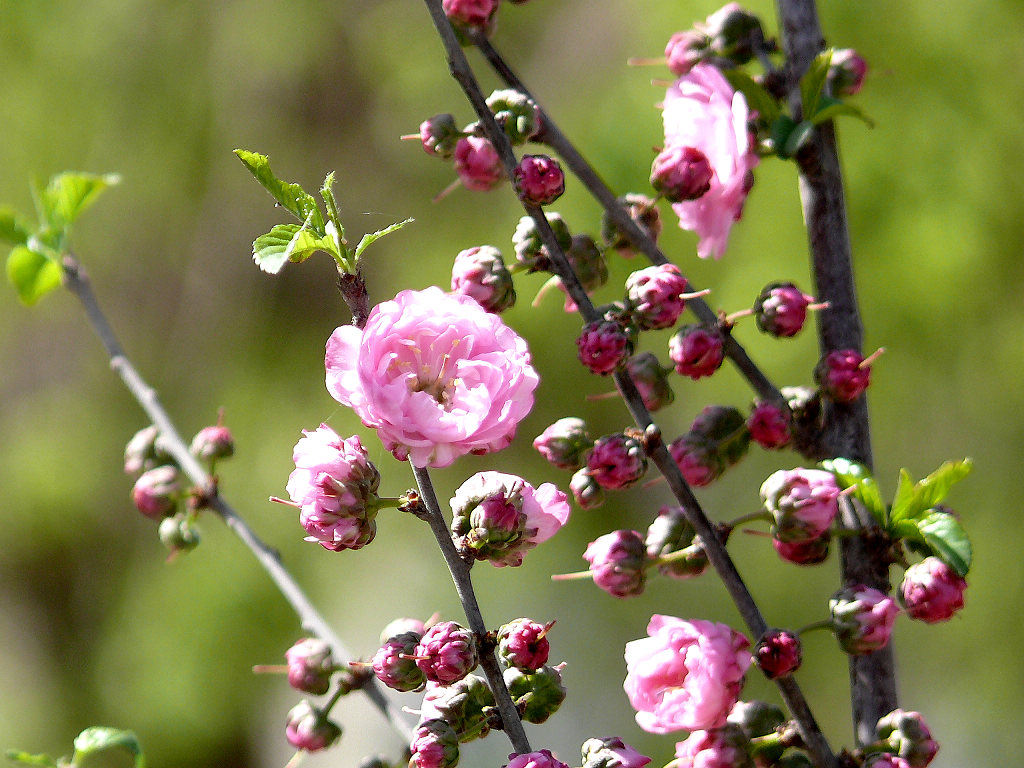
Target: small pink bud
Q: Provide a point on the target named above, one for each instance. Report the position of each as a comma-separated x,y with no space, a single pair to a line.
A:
434,745
885,760
516,113
847,72
803,503
308,728
697,350
778,653
808,552
611,752
529,247
470,13
645,214
770,425
477,163
617,461
446,653
523,644
157,491
537,694
438,135
212,443
681,173
655,296
538,180
725,747
685,50
862,618
931,591
143,451
617,562
671,534
651,380
481,274
393,666
541,759
586,490
565,443
734,33
843,375
310,666
698,462
603,346
781,309
907,735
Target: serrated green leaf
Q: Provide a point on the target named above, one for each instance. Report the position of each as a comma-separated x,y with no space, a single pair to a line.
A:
934,488
902,501
812,84
289,242
292,197
758,99
67,195
26,758
799,136
829,108
853,474
101,747
373,236
948,540
13,228
327,193
32,274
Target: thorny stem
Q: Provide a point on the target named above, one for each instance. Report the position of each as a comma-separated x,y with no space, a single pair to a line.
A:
717,554
846,431
77,281
459,570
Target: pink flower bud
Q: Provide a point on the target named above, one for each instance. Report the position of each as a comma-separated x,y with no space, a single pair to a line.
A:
885,760
671,534
696,350
335,484
603,346
802,503
434,745
464,705
862,618
611,752
516,113
393,666
617,562
310,666
470,13
143,451
480,273
212,443
538,180
438,135
477,163
156,492
308,728
847,72
841,375
651,380
645,214
447,653
781,309
685,50
542,759
734,32
808,552
686,675
529,247
586,490
537,694
681,173
725,747
770,425
778,653
523,644
565,443
697,461
655,296
617,461
931,591
907,735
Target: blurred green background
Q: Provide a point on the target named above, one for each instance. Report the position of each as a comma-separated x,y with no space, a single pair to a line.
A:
98,630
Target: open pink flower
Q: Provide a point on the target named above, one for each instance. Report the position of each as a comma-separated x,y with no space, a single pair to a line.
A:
686,675
435,374
701,110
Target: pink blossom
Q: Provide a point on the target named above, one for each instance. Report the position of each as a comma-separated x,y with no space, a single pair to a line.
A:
803,503
931,591
701,110
686,675
862,618
477,163
716,748
435,374
541,759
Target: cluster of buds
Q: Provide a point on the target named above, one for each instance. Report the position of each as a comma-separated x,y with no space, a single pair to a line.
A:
718,439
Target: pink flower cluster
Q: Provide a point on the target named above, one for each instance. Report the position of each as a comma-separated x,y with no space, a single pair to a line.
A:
701,110
686,675
435,374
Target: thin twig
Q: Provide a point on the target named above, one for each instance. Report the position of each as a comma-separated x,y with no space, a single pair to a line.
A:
77,281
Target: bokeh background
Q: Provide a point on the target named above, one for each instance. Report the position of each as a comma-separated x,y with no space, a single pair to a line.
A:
98,630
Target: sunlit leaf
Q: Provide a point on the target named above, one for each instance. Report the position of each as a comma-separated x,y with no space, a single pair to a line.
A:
67,195
32,274
903,499
853,474
107,748
829,108
924,495
13,228
289,242
292,197
948,540
373,236
812,84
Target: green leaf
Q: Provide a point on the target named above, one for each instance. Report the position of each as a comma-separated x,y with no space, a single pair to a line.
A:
812,84
26,758
830,108
67,195
904,498
327,193
13,228
797,138
853,474
758,99
373,236
912,504
948,540
289,242
292,197
32,274
107,748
